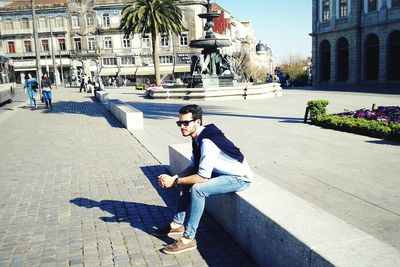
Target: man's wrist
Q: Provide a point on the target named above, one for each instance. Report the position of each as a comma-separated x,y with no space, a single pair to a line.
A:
176,181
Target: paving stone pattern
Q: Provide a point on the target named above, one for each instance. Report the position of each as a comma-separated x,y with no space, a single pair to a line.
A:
77,189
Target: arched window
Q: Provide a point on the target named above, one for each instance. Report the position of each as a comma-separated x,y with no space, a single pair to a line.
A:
342,62
325,60
75,21
371,57
25,23
393,57
8,24
42,23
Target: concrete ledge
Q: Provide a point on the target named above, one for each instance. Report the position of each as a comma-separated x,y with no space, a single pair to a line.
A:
278,228
243,91
129,116
102,96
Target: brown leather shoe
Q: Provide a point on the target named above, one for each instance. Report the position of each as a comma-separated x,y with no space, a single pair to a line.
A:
178,247
167,230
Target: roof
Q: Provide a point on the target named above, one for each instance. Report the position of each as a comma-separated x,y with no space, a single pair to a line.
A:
24,3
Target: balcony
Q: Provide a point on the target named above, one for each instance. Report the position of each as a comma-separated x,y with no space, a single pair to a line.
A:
16,32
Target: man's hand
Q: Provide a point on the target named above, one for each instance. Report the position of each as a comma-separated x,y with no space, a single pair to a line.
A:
165,180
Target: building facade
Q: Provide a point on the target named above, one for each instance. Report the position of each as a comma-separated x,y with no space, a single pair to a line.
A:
241,35
83,36
356,42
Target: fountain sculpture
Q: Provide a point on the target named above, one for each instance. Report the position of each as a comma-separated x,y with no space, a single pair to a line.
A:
210,68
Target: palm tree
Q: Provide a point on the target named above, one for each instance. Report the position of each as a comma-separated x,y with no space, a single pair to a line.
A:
155,17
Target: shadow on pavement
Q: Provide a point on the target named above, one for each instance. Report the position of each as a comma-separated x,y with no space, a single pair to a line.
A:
384,142
167,111
88,108
216,247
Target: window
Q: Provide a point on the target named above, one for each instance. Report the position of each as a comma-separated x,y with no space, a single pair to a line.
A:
164,41
61,44
110,61
91,43
75,21
184,39
146,41
89,19
42,23
126,43
166,59
45,45
106,20
8,24
78,44
395,3
342,8
107,42
25,23
27,46
59,21
326,10
371,5
127,60
11,47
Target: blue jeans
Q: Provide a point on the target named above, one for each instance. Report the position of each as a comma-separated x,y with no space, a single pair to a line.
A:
192,200
47,97
32,97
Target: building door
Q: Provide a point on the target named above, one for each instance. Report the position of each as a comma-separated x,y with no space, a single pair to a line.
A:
371,57
393,59
342,63
325,64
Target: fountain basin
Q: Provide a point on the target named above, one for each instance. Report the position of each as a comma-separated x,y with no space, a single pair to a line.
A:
210,43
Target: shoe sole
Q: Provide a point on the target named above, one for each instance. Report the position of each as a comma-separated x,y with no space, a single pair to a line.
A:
179,251
174,233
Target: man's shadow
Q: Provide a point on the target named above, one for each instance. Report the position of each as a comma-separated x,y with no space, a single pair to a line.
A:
139,215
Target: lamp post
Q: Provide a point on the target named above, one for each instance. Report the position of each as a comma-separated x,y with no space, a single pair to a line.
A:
36,37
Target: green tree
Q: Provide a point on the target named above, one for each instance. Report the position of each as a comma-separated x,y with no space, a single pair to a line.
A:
296,67
155,17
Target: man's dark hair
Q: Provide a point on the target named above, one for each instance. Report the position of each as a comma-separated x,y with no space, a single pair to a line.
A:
197,113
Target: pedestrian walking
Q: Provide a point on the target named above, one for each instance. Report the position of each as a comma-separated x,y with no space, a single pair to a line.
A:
46,90
31,87
217,167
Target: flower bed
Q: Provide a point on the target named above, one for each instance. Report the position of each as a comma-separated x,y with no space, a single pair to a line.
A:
383,122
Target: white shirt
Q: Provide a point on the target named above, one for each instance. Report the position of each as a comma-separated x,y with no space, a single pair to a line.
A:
215,160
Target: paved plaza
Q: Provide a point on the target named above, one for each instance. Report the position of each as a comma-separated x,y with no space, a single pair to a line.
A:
78,189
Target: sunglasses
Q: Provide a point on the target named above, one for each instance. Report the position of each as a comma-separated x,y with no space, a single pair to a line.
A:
184,123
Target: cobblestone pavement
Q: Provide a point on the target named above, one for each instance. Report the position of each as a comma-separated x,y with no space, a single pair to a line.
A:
79,190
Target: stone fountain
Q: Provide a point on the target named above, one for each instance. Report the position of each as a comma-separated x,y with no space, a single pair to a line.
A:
211,74
210,68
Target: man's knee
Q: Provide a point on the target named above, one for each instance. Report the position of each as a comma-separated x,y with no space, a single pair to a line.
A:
198,190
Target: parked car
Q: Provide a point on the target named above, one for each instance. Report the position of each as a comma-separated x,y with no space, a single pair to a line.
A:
168,84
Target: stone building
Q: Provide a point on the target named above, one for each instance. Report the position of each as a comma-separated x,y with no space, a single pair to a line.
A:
83,36
241,35
356,42
17,40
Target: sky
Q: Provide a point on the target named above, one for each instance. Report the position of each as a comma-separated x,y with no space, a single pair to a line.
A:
283,25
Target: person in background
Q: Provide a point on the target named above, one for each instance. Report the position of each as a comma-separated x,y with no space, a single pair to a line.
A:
46,90
31,87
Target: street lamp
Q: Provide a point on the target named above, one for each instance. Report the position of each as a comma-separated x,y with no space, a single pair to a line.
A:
36,37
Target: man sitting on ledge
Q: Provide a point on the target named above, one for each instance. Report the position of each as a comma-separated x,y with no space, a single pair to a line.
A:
217,167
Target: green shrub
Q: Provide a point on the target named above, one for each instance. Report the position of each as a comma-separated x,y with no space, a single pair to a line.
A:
317,108
355,125
395,135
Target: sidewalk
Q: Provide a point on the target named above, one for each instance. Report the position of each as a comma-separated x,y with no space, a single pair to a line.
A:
79,190
353,177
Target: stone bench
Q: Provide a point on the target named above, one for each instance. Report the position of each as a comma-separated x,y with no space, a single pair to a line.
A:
102,96
129,116
278,228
